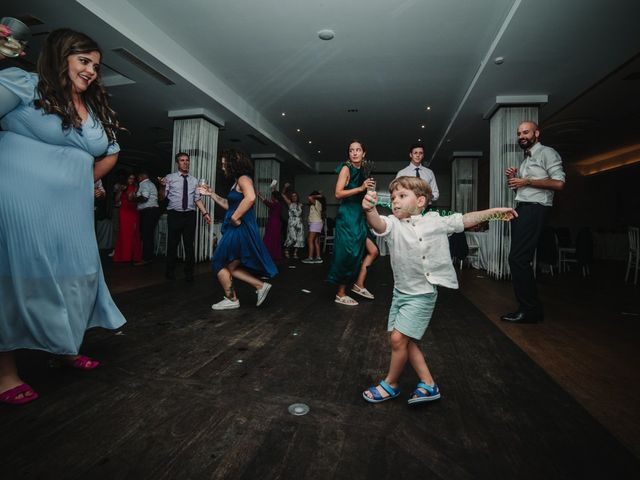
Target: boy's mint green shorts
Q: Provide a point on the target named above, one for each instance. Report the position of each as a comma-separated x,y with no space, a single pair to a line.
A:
411,314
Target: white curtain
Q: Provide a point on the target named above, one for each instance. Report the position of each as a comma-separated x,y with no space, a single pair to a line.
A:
266,170
505,152
199,139
464,184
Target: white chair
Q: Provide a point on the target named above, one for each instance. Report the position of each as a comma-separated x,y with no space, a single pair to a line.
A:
161,236
473,257
566,255
634,248
329,235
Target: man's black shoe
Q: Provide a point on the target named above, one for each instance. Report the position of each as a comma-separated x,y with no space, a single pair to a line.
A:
510,316
522,317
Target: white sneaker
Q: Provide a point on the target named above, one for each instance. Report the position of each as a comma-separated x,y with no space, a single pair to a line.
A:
308,260
226,304
318,260
262,293
113,252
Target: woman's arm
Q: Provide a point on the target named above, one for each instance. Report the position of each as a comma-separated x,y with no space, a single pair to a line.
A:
343,179
207,192
246,187
103,165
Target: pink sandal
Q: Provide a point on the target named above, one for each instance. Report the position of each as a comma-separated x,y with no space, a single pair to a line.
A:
11,396
84,363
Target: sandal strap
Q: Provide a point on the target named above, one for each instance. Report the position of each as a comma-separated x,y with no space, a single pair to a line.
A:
388,388
375,393
430,390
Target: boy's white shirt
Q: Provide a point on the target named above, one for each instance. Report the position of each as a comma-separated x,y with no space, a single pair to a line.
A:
419,249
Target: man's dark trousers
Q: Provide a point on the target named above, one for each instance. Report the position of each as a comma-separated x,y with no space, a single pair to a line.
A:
180,225
525,233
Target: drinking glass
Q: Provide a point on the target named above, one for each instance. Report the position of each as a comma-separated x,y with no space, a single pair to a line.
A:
14,44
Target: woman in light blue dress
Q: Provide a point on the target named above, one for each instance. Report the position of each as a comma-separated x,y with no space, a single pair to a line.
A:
58,136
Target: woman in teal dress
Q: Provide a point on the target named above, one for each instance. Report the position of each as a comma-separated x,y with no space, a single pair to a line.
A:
353,251
240,253
58,137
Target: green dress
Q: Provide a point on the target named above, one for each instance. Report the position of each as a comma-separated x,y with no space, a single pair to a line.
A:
350,233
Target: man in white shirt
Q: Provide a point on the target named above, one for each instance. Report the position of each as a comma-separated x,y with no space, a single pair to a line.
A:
149,210
540,175
415,169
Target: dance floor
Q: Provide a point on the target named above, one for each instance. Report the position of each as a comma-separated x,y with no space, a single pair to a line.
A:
186,392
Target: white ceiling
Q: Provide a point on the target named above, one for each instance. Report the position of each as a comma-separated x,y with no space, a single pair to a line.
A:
247,61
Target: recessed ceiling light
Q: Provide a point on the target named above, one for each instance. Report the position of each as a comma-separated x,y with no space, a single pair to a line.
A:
309,142
319,151
419,139
326,34
429,108
284,114
423,126
298,130
498,60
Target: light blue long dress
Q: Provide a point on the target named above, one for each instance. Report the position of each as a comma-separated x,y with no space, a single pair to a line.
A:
52,287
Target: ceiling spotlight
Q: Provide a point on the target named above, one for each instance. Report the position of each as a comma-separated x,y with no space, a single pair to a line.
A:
326,34
498,60
429,108
419,139
319,151
423,126
309,142
298,130
284,114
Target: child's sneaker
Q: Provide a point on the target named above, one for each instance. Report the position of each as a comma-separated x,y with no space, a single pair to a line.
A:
226,304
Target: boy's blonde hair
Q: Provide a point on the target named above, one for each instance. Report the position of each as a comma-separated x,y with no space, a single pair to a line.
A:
417,185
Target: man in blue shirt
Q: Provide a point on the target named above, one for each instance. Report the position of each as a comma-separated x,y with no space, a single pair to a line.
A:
181,191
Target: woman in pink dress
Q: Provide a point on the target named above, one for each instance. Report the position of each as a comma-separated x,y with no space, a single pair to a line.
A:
272,233
128,245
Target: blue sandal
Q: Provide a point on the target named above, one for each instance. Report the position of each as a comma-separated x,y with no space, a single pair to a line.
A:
377,398
418,396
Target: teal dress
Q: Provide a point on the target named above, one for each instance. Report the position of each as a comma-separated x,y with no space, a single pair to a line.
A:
350,233
52,287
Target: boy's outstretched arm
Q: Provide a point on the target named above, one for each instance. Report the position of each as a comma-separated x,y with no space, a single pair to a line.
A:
472,219
369,206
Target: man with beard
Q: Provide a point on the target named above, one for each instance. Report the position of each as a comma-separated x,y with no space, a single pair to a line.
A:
539,176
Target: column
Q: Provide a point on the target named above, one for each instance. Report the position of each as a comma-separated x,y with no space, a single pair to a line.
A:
266,169
464,181
505,117
195,132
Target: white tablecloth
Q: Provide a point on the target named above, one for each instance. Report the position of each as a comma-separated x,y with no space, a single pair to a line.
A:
481,239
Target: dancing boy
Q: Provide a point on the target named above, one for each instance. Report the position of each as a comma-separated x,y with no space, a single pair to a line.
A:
419,249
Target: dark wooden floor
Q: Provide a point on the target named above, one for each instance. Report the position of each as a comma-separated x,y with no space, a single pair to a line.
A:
186,392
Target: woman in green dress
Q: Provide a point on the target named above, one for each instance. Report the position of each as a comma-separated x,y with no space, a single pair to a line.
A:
353,251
